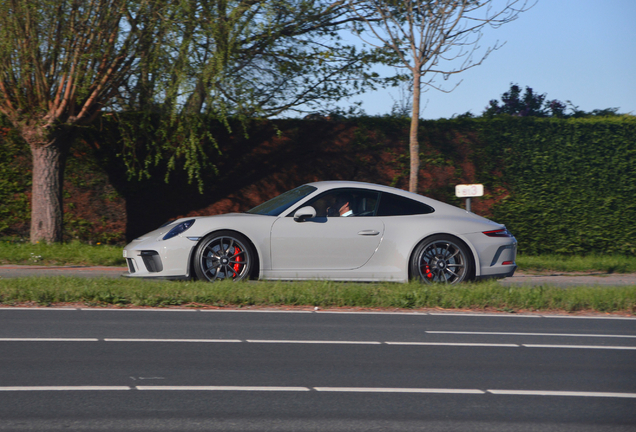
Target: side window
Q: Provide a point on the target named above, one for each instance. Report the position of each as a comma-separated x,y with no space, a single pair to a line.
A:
395,205
345,202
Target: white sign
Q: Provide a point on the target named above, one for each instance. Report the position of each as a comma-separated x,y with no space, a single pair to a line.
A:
465,191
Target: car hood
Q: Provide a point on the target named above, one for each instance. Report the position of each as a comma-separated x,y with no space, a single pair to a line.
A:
161,231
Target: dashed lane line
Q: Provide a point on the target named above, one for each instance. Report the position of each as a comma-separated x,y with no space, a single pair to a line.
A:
581,346
325,342
458,344
49,340
562,393
397,390
65,388
385,390
174,340
318,342
529,334
224,388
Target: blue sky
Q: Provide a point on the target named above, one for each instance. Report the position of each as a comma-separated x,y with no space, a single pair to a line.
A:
578,50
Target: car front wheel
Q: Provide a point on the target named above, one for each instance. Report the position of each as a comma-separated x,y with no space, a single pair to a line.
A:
224,255
441,258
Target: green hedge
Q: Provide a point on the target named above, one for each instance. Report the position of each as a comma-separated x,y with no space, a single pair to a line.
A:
15,185
562,186
572,183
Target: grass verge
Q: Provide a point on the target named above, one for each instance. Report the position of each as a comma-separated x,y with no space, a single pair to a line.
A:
488,295
74,253
588,263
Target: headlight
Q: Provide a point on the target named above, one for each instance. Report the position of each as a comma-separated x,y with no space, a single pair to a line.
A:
183,226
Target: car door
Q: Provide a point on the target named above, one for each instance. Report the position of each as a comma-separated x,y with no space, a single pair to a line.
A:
338,243
325,242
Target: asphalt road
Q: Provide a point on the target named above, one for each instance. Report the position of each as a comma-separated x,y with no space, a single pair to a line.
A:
113,369
520,278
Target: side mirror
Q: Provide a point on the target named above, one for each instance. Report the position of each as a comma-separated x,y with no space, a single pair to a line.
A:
303,213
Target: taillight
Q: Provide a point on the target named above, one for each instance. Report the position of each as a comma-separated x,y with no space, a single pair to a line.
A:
498,233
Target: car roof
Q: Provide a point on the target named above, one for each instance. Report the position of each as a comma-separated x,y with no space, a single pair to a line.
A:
330,184
439,206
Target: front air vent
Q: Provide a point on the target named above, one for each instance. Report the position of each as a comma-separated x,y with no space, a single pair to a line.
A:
152,261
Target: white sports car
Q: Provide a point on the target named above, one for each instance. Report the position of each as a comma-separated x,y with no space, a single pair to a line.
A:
335,230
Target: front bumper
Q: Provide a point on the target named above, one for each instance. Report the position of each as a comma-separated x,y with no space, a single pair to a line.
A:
156,258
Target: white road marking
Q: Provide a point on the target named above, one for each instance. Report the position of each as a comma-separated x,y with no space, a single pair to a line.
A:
397,390
326,342
590,317
254,311
394,390
65,388
581,346
273,311
530,334
562,393
49,340
490,315
318,342
173,340
223,388
135,310
415,313
454,344
46,308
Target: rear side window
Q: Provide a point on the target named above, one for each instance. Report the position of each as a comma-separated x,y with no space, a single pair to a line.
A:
395,205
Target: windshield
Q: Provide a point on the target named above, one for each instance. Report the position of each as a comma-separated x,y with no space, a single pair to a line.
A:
276,206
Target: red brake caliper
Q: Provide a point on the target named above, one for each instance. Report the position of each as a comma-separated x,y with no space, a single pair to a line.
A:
427,271
237,258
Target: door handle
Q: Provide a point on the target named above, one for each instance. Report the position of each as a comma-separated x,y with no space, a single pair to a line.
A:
368,232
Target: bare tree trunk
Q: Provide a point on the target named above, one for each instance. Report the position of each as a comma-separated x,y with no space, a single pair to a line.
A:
414,145
47,212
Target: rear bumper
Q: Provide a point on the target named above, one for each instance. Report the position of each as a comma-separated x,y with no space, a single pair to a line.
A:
496,256
510,270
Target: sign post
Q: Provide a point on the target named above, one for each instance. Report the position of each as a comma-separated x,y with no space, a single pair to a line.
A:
469,191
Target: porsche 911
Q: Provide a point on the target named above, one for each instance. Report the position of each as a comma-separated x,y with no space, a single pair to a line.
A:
332,230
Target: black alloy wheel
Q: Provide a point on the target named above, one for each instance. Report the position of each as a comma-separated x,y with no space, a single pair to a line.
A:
441,258
224,255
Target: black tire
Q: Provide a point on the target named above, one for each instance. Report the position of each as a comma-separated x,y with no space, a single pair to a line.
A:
441,258
224,255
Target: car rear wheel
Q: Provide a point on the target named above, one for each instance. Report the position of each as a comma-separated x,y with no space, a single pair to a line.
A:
224,255
441,258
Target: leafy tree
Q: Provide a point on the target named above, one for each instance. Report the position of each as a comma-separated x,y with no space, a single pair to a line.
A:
64,62
528,104
428,38
257,57
60,63
242,59
533,104
606,112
